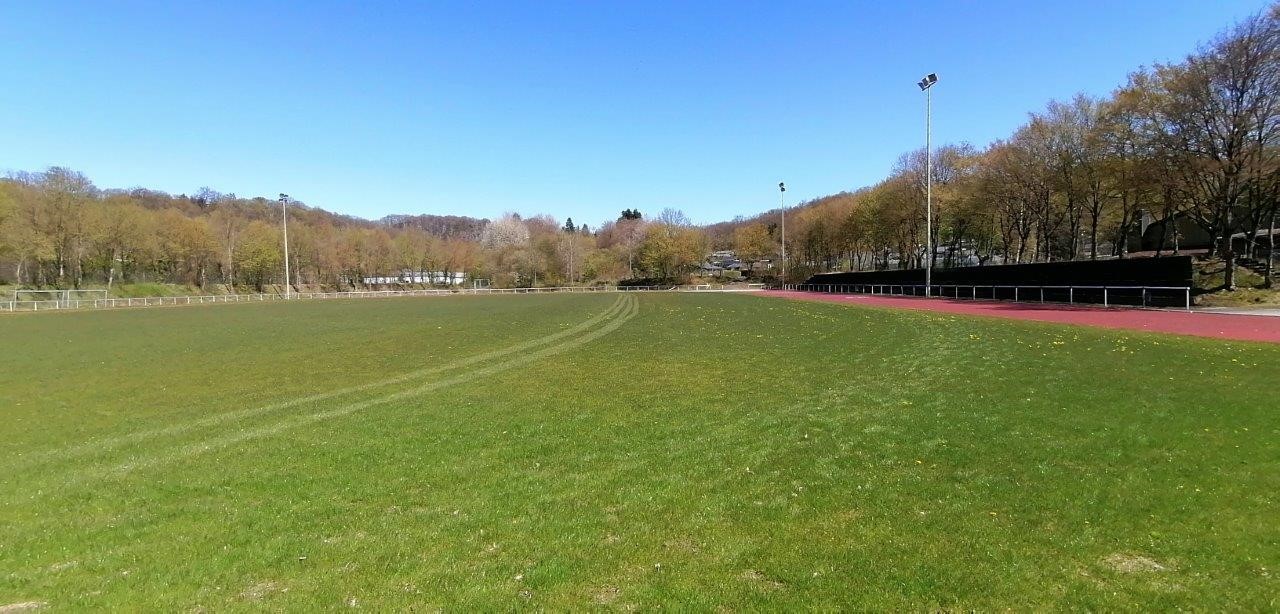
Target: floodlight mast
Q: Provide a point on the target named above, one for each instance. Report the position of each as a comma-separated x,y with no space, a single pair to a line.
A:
284,224
926,85
782,189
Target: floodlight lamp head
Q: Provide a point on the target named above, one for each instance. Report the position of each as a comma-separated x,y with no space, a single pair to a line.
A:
283,197
782,187
932,78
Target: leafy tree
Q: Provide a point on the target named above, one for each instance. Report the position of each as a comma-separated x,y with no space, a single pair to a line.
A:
505,232
259,255
1216,117
752,243
65,193
670,249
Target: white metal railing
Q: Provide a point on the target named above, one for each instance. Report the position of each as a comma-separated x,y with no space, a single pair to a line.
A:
213,299
1144,295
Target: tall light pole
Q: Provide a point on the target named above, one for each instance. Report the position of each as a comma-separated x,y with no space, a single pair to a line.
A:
926,85
284,223
782,190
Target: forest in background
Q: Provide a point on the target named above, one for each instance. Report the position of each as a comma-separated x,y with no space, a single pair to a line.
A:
1194,140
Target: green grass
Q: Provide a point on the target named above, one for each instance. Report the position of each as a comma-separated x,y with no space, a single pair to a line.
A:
583,451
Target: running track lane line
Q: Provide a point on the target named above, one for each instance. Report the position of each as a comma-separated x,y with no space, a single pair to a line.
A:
1197,324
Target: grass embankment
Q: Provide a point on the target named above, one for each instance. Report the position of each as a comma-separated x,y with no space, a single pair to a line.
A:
154,289
712,450
1250,291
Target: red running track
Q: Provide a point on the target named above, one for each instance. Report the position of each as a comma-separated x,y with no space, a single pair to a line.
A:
1199,324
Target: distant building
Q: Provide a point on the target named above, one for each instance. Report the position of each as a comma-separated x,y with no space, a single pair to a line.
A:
435,278
724,259
1181,232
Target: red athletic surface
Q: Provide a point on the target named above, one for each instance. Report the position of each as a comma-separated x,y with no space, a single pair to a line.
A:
1199,324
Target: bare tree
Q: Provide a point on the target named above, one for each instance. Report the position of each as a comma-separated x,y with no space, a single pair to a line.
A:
1215,116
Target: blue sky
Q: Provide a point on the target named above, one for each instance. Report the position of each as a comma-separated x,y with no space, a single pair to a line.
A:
569,108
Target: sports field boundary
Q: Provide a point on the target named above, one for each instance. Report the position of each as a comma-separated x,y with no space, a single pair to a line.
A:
15,306
1237,327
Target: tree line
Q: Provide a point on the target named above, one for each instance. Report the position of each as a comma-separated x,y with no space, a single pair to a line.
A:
1194,140
59,230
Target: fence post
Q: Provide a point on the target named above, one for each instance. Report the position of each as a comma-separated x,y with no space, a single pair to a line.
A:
1071,295
1106,301
1188,298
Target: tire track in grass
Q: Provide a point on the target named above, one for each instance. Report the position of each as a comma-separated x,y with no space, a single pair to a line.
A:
106,445
93,475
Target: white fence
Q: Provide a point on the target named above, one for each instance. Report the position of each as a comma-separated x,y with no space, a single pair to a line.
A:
1143,296
158,301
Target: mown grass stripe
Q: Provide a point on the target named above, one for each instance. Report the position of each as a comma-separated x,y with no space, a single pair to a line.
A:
629,309
105,445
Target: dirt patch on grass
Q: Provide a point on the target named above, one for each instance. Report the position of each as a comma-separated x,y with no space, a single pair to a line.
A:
607,595
761,581
683,544
22,606
1132,563
261,590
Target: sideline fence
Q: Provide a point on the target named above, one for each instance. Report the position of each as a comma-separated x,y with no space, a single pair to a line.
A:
1143,296
214,299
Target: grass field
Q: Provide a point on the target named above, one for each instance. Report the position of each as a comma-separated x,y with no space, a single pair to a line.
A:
580,451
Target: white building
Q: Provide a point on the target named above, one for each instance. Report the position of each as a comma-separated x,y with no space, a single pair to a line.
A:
435,278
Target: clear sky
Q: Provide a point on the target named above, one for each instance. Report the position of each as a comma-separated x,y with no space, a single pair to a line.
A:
569,108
